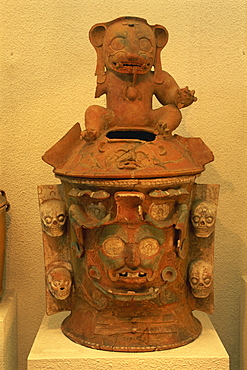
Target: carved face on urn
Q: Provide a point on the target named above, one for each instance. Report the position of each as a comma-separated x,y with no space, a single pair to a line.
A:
125,40
203,216
128,264
201,278
59,282
128,45
53,215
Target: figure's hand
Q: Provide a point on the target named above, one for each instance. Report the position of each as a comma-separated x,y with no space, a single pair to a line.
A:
185,97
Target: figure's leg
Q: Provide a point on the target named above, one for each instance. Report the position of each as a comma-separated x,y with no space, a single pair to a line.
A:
97,119
166,119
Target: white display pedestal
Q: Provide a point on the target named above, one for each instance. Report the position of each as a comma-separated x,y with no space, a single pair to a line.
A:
52,350
8,331
243,326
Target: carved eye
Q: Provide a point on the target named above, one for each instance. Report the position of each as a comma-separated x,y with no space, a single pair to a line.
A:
149,246
48,220
209,219
113,246
118,43
145,44
196,219
194,280
60,218
207,280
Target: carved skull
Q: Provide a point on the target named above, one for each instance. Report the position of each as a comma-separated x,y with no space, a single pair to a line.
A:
59,282
53,216
203,218
201,278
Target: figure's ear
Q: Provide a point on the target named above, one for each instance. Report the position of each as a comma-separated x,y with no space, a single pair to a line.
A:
161,37
96,36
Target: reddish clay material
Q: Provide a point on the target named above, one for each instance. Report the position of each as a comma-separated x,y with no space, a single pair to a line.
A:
129,236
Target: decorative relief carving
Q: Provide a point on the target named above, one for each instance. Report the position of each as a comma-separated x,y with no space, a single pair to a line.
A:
201,278
59,282
203,214
53,215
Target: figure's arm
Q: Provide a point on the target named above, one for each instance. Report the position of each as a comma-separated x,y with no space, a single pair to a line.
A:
169,93
100,90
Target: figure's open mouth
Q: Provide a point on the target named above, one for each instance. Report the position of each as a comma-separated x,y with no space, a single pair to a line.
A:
128,295
130,67
128,276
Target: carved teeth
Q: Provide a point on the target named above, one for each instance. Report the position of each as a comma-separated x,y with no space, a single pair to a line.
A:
132,65
137,274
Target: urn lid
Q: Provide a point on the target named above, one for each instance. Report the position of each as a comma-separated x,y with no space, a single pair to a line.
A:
127,154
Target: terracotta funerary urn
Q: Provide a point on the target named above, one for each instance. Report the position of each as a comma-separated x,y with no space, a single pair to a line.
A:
128,235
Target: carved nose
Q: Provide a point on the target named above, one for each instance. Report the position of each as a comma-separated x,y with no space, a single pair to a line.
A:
132,259
131,56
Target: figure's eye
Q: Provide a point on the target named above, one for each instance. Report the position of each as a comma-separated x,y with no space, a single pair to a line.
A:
149,246
194,280
196,219
207,280
113,246
118,43
48,220
145,44
209,220
60,218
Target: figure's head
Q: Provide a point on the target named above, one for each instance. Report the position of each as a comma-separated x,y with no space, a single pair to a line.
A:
128,45
203,216
201,278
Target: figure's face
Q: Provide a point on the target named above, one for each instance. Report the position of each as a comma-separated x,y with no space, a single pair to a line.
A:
53,216
203,219
129,47
201,278
59,282
127,262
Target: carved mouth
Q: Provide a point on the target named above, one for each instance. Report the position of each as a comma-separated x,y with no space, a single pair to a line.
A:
203,292
128,295
128,276
130,67
54,231
61,294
